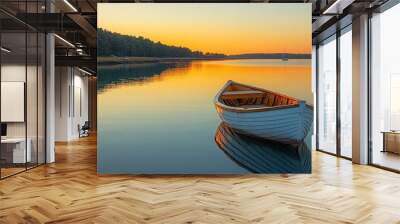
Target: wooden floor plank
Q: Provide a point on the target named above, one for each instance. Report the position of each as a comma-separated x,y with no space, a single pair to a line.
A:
70,191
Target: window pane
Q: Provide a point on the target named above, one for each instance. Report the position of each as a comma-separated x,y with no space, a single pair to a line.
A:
385,86
13,86
346,94
31,98
327,96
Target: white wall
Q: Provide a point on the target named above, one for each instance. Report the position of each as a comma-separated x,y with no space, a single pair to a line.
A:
62,82
80,110
71,102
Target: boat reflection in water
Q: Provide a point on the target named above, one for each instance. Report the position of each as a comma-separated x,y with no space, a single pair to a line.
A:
262,156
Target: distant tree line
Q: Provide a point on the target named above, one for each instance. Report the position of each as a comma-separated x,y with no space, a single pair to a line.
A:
115,44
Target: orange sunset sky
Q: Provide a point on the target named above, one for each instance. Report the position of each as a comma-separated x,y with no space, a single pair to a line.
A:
218,28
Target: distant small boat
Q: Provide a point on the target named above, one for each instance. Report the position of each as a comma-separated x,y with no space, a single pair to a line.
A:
263,113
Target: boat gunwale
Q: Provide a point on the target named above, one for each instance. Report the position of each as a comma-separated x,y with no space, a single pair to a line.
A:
223,106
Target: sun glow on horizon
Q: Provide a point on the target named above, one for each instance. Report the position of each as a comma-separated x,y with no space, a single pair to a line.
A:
228,28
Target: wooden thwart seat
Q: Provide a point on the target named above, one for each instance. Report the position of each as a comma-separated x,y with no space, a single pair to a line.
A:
242,94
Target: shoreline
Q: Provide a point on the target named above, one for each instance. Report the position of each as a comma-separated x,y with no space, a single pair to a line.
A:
144,60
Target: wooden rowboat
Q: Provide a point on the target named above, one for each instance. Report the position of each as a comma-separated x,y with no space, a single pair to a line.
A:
264,113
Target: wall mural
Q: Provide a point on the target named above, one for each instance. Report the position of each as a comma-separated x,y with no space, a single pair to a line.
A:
212,88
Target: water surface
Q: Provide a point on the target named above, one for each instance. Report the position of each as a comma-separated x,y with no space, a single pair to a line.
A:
159,118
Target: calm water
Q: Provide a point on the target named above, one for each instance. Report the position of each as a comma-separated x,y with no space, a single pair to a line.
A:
159,118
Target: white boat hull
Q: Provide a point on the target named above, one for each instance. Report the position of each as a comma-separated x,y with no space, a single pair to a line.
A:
288,125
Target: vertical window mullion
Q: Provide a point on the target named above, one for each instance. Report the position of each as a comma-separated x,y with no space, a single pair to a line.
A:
0,92
316,96
338,74
369,95
37,90
26,86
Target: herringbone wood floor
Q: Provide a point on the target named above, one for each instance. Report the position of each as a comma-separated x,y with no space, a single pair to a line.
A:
70,191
